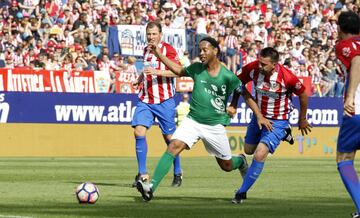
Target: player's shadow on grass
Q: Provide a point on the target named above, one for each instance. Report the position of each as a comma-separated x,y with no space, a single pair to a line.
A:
191,206
182,198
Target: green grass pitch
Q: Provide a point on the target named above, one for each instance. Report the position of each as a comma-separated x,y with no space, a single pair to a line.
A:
44,187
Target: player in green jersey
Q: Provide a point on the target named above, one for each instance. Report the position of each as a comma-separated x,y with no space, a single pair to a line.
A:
213,84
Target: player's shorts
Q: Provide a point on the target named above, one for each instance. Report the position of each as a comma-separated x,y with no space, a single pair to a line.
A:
145,115
272,139
349,134
214,137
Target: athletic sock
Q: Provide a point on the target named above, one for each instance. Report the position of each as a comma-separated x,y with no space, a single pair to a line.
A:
177,167
141,153
162,168
350,180
236,162
251,176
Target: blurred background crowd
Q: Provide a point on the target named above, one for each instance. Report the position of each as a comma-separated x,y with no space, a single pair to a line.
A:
72,34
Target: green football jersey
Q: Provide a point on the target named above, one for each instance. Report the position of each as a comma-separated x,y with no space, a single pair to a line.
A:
210,94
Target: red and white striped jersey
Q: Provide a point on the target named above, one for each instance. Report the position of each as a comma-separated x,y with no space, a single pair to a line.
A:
104,66
231,41
272,92
346,50
156,89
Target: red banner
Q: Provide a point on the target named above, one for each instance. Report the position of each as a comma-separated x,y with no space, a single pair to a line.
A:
27,80
124,82
184,84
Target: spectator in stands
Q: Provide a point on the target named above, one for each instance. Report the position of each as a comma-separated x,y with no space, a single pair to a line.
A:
231,44
185,61
92,64
81,26
67,63
9,62
131,68
182,109
95,48
105,51
312,23
80,64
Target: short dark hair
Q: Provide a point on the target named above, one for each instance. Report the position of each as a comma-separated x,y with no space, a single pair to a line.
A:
349,22
213,42
270,52
153,24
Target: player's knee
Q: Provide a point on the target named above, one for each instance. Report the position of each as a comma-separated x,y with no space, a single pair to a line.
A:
167,138
260,155
249,149
139,131
175,147
344,156
226,166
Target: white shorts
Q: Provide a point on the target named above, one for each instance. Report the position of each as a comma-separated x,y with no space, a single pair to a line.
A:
214,137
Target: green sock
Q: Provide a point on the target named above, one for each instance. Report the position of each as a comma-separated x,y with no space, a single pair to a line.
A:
236,162
162,168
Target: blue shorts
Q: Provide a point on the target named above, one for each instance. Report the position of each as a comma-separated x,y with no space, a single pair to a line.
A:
145,115
349,134
272,139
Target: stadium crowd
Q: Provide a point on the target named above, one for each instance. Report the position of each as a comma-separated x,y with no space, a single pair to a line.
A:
72,34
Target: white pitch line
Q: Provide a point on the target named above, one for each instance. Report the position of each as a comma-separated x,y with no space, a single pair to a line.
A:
15,216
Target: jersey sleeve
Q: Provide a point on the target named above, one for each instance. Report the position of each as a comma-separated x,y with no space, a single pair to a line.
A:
244,74
292,83
235,84
172,54
193,69
346,50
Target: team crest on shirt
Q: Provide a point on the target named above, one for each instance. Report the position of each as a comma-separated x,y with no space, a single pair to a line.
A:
266,85
223,89
214,87
218,104
298,85
274,85
346,51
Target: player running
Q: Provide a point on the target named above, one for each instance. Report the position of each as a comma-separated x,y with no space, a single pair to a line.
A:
213,84
274,86
348,54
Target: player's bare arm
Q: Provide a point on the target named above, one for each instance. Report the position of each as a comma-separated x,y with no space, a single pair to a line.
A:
262,121
354,82
138,81
231,110
153,71
304,125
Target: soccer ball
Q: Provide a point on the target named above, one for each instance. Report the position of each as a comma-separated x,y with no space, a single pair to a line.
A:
87,193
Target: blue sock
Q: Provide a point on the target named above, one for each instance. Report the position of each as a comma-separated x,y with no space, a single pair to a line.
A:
350,180
177,168
141,153
251,176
